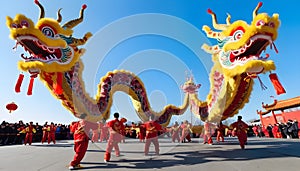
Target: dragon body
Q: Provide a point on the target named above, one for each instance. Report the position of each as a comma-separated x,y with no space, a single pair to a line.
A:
54,57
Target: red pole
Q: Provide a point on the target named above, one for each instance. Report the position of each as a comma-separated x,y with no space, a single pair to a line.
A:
261,119
274,116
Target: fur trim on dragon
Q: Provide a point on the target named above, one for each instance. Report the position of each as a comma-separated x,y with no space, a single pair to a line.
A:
54,57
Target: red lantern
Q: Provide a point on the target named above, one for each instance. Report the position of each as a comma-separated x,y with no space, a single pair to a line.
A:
11,107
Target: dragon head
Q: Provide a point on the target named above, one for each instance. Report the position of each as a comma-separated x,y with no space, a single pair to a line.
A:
189,86
49,45
240,45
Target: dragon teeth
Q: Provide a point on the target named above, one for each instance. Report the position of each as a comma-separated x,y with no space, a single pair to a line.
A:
45,48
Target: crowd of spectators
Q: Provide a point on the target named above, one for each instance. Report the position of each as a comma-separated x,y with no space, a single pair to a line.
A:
289,130
10,133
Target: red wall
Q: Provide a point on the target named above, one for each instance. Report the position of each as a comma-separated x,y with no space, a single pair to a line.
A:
294,115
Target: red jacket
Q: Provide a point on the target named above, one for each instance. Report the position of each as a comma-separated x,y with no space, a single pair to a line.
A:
51,129
241,127
152,129
80,130
116,126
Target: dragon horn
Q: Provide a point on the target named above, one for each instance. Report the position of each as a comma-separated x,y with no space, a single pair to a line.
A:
42,11
228,19
59,17
77,21
256,9
215,22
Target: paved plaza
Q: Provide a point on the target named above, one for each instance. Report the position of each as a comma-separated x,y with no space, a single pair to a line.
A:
261,154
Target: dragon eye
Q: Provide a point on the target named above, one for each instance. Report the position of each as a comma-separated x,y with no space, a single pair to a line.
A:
238,34
271,24
260,23
24,23
13,25
48,31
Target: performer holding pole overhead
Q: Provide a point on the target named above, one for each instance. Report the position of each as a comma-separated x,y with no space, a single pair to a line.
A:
220,132
175,132
241,131
80,130
208,131
116,127
152,129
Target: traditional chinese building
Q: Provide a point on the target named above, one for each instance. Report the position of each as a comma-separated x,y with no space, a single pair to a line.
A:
280,111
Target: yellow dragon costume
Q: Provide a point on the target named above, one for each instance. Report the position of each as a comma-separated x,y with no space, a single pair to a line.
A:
55,59
237,61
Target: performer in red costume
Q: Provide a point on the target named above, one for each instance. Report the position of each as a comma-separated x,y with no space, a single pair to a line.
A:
152,129
45,132
80,130
142,132
123,132
116,128
186,130
29,130
208,132
95,135
241,131
175,132
103,131
51,133
275,131
255,130
220,132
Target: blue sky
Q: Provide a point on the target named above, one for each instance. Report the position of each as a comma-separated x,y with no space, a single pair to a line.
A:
157,40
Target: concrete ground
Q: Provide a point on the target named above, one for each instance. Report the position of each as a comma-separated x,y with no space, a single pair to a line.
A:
261,154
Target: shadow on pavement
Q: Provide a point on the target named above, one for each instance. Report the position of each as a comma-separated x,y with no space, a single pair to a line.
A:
217,152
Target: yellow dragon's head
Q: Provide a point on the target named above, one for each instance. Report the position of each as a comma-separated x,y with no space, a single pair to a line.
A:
50,46
240,45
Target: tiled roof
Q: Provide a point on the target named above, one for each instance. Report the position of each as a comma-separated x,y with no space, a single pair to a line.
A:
283,104
262,112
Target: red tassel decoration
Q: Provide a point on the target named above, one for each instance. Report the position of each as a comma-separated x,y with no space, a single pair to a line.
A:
29,91
277,85
57,86
19,83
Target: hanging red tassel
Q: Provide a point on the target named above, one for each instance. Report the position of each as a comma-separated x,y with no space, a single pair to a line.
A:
57,86
29,91
277,85
19,83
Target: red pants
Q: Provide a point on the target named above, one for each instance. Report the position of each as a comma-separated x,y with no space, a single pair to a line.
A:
207,139
220,136
51,137
95,136
175,136
242,137
28,138
103,136
142,137
113,142
185,135
45,135
80,148
154,140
